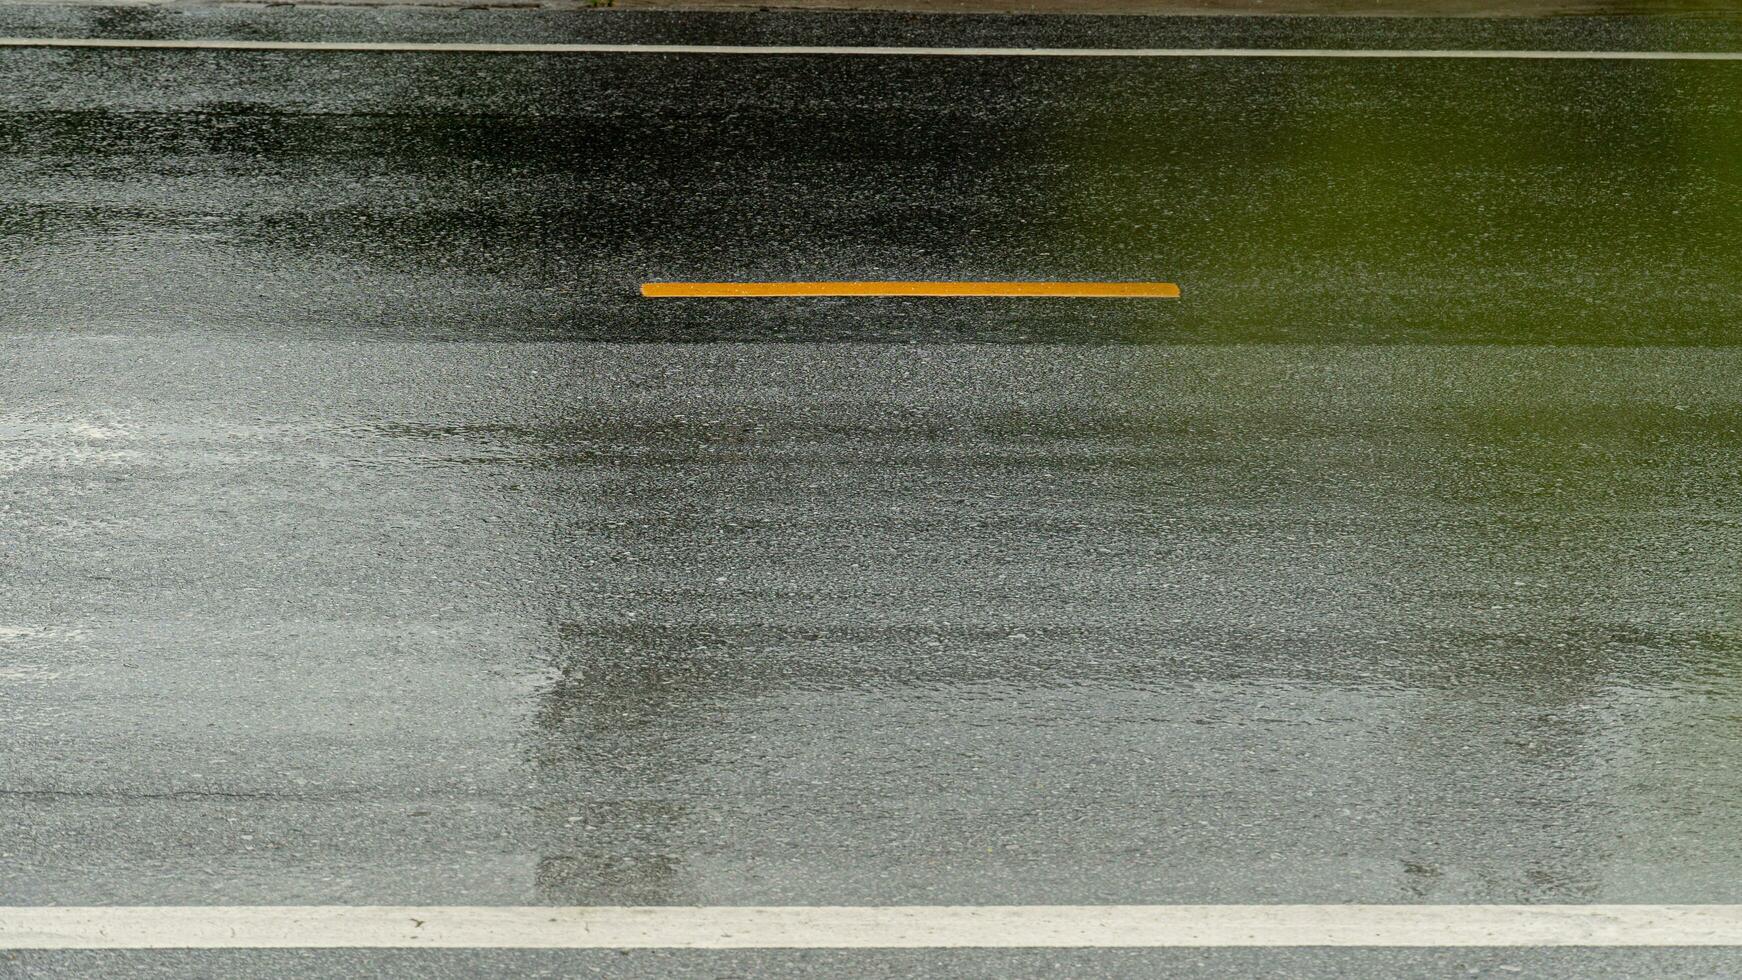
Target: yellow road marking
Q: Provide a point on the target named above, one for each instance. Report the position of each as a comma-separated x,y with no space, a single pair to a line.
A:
1151,290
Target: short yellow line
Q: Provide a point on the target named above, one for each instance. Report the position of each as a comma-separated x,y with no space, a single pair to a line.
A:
1151,290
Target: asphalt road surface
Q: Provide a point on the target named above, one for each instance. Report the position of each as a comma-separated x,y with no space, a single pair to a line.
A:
365,539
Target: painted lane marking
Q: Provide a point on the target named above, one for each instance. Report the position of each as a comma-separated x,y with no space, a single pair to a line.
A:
841,927
456,47
1153,290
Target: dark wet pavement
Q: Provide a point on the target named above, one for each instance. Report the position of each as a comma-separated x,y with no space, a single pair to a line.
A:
285,194
367,541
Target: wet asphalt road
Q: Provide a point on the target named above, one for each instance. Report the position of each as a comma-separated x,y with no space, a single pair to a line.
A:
364,539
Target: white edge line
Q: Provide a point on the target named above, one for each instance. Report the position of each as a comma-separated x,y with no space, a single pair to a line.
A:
863,927
731,49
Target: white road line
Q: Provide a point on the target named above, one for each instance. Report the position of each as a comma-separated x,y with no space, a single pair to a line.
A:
960,926
440,47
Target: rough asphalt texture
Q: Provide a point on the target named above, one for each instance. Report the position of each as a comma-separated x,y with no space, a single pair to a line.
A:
363,539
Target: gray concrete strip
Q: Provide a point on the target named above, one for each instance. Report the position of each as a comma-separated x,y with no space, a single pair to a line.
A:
1175,963
866,927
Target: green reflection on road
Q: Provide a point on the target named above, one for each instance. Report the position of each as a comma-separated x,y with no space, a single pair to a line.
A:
1477,202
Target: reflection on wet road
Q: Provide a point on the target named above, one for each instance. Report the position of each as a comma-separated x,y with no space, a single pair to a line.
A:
608,624
366,540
